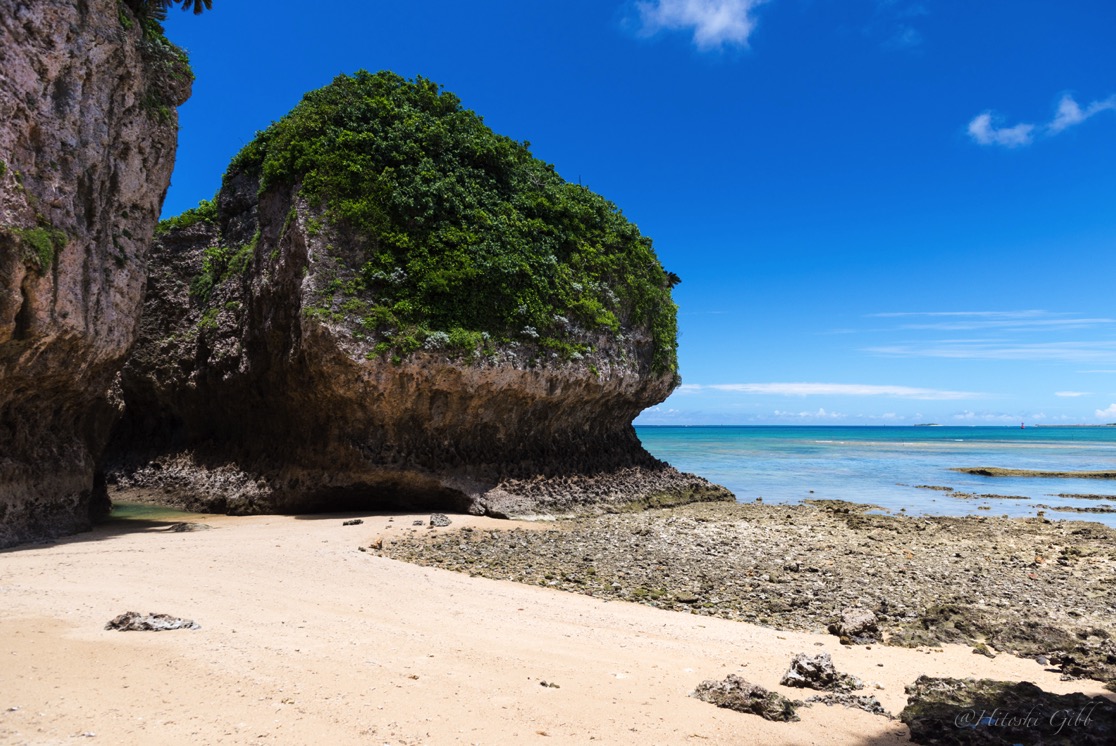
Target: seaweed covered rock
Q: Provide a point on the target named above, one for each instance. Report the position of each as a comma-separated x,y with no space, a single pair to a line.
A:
88,132
389,304
735,693
969,711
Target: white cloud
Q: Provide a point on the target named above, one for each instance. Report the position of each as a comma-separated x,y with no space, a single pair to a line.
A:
714,23
982,131
979,314
837,389
1070,113
969,416
1015,320
1106,413
821,414
996,349
1070,394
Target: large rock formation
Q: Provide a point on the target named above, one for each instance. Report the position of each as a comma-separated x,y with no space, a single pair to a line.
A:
87,142
390,305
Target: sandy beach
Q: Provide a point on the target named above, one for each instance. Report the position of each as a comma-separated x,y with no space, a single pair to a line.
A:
307,639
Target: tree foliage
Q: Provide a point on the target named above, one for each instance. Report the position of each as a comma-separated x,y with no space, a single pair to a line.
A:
157,9
463,232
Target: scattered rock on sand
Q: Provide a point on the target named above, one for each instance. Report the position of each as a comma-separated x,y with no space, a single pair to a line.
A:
856,627
180,528
132,621
734,693
354,522
440,520
817,672
970,711
864,702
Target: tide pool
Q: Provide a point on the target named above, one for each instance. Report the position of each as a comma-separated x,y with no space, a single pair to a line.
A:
887,465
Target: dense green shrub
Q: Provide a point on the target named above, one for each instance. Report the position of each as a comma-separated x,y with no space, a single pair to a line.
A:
462,232
205,212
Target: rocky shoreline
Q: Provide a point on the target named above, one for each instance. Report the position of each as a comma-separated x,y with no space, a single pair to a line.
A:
1033,587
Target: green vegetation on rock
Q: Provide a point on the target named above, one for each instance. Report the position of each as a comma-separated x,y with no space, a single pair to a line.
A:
38,246
205,212
462,235
220,263
168,66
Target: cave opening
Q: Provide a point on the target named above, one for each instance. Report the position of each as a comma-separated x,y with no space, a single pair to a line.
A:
388,497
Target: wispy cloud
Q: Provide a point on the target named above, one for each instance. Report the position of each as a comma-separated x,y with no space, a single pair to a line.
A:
979,314
821,414
986,349
984,129
893,20
1013,324
1071,394
1070,113
905,38
833,389
968,416
1022,321
714,23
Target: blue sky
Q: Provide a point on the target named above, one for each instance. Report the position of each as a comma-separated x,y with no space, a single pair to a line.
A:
882,211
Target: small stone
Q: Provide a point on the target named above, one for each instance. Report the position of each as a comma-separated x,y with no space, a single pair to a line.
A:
353,522
439,520
417,523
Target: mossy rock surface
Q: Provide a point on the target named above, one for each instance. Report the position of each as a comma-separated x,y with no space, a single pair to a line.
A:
983,711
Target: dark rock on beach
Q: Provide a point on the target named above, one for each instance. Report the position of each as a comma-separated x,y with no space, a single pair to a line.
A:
856,627
133,621
818,672
966,712
734,693
864,702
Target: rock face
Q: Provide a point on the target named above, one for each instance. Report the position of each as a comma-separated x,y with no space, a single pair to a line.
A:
271,375
968,711
87,143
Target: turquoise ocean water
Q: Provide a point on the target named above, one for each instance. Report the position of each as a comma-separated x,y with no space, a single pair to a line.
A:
885,465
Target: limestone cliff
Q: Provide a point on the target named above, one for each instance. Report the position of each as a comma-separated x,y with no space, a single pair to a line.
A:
87,143
398,343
